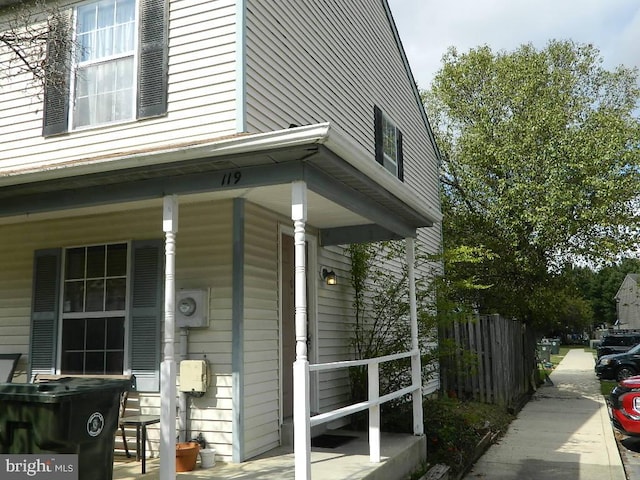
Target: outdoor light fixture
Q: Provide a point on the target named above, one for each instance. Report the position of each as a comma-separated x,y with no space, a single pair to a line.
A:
329,276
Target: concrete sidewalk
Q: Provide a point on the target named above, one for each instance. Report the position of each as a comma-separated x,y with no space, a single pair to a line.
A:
562,433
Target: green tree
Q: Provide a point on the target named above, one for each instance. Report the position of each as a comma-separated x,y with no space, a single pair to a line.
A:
539,166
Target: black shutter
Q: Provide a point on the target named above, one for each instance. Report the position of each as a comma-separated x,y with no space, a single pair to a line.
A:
44,311
400,158
153,63
147,301
377,128
57,76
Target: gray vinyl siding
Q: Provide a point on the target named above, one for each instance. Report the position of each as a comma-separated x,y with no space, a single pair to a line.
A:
261,332
201,98
311,61
335,323
336,318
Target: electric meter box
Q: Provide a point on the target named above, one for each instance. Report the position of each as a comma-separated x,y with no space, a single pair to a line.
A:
193,376
192,308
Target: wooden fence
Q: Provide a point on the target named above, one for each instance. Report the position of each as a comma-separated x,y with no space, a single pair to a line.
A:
492,360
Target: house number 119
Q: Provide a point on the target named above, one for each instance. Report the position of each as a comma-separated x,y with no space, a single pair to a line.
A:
231,178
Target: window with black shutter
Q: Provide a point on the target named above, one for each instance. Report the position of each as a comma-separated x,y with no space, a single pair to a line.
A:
110,63
85,299
388,144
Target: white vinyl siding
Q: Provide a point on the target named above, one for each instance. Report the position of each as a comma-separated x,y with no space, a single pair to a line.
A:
203,260
261,332
202,98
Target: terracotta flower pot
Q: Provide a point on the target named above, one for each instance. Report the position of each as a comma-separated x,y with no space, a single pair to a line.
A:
186,456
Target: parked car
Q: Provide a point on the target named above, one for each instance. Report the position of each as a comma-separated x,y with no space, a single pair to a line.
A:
624,404
619,366
618,342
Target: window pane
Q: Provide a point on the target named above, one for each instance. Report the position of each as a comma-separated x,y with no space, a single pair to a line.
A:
124,75
95,262
117,260
115,334
96,333
123,38
104,43
125,11
72,363
73,331
115,363
86,46
115,295
86,18
104,108
95,296
74,296
75,263
106,13
94,363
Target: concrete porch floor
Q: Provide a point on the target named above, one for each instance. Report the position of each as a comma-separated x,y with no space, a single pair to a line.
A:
401,455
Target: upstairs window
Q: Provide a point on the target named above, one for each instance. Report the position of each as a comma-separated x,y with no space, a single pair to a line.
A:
105,55
388,140
107,62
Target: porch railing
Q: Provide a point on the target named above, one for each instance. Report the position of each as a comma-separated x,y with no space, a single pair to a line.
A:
374,399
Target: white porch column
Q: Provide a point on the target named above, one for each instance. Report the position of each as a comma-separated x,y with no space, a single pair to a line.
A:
416,368
168,366
301,396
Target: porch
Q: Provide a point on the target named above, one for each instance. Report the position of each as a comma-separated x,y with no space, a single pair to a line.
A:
401,454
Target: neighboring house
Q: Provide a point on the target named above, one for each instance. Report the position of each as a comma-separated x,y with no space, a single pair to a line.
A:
628,303
221,131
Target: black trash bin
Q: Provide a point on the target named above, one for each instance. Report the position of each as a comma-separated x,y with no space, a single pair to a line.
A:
66,416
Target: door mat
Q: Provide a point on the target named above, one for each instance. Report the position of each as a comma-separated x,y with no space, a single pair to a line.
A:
330,441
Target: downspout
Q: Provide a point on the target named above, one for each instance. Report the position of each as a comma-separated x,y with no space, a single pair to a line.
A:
183,404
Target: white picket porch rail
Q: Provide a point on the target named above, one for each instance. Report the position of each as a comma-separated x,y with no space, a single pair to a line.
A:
374,399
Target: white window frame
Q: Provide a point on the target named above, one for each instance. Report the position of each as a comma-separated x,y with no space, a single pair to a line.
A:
390,163
126,368
76,65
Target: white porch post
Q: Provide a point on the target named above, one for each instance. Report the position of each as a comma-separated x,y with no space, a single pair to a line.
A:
416,368
168,366
301,396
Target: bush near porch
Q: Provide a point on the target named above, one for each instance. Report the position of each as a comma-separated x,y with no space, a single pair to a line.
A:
454,429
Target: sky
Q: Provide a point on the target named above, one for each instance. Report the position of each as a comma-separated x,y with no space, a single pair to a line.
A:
428,27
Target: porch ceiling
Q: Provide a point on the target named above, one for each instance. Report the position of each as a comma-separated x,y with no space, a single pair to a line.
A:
343,202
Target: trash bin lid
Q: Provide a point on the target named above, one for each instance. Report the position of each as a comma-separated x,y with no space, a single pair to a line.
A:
54,391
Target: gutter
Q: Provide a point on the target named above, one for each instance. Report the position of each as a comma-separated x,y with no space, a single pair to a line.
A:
322,133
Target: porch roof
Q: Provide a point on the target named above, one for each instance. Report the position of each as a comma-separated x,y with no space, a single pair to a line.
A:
351,197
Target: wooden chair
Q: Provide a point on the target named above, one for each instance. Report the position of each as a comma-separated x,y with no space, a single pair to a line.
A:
8,363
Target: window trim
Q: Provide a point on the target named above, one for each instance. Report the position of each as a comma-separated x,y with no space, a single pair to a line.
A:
379,120
62,315
77,65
